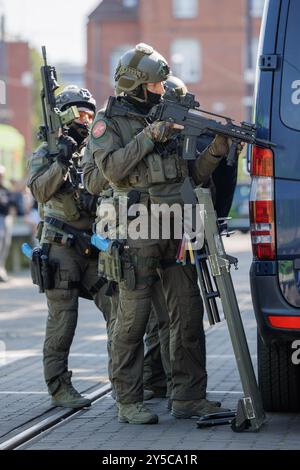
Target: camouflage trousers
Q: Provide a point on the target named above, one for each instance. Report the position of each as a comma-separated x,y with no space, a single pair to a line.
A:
72,272
187,339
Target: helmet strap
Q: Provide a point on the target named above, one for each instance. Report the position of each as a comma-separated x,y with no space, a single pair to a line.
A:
139,93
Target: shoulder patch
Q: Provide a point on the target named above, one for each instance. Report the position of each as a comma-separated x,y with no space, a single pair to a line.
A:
99,129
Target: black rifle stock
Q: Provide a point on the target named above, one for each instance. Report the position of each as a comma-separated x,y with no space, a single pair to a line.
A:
55,121
185,111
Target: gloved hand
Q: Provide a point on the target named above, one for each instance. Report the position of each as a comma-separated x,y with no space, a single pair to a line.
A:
67,146
220,146
159,131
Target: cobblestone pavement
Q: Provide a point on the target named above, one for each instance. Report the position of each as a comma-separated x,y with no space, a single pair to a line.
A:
23,393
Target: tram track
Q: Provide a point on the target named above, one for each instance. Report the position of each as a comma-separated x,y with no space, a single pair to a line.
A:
47,421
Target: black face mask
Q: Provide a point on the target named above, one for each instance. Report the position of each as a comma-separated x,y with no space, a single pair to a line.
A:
144,106
78,132
153,98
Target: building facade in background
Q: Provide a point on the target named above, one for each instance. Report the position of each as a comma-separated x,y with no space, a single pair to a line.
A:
16,85
70,73
210,44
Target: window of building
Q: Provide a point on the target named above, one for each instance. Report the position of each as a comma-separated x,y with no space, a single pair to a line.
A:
186,58
129,3
117,52
2,92
185,9
257,7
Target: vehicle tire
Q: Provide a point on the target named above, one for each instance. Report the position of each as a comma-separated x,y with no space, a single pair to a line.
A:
278,377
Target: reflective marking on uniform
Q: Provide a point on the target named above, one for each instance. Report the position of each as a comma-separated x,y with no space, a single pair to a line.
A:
98,129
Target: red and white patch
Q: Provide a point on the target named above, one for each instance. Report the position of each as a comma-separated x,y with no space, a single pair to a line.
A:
98,129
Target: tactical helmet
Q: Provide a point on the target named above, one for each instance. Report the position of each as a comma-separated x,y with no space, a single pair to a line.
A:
139,66
72,95
175,83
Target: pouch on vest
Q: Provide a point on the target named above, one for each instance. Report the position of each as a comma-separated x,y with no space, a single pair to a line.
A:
166,193
155,170
70,208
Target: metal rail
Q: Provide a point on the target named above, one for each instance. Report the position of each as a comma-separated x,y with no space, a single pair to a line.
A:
51,421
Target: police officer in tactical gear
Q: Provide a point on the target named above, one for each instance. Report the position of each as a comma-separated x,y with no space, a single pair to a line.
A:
69,266
222,185
157,380
124,148
154,376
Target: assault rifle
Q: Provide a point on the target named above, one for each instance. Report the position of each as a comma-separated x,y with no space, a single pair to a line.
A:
55,121
185,110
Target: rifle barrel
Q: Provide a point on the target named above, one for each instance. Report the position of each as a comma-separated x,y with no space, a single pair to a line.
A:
44,54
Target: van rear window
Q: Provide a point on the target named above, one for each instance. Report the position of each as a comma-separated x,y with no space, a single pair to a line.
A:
290,88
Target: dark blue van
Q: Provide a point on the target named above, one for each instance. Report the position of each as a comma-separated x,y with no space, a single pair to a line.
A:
275,206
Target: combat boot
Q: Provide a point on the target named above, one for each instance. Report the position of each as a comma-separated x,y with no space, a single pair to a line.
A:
67,396
135,413
189,408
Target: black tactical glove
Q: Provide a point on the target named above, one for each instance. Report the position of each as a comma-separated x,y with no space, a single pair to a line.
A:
159,131
67,146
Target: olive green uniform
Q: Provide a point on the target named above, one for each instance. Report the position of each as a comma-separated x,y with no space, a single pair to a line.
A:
128,160
74,273
154,377
157,380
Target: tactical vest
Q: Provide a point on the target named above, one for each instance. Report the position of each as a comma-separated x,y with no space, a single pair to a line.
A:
161,176
68,203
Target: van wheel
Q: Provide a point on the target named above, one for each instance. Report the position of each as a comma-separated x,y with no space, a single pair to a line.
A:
278,377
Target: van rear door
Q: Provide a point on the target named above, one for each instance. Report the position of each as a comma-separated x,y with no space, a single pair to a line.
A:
285,131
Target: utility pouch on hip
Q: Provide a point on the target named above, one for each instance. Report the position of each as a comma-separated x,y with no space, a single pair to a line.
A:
36,269
41,269
47,272
109,265
128,270
83,245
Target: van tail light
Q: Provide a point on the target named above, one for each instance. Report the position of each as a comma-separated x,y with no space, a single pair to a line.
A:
262,221
283,321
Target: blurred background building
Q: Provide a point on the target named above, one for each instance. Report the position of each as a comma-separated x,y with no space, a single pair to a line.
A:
16,74
210,44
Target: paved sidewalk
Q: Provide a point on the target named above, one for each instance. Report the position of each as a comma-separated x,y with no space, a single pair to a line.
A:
23,313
